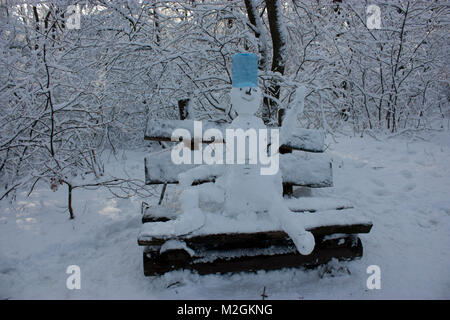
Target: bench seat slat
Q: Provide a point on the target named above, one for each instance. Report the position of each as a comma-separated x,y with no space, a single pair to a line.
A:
309,140
303,139
161,130
211,262
313,204
298,169
322,223
303,204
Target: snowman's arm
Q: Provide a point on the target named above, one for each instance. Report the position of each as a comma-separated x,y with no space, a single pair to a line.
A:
293,226
200,173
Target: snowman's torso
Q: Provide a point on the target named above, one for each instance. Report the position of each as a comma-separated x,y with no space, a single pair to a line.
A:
247,191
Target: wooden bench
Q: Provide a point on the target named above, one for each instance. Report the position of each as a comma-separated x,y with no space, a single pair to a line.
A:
237,247
311,170
298,169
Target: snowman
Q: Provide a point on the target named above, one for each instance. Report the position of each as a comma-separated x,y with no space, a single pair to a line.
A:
248,193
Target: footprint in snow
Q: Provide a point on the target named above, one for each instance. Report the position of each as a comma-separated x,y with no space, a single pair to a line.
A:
409,187
378,182
436,174
406,174
381,192
423,224
434,222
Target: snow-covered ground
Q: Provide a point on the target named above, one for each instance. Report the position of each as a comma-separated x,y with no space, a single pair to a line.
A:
401,184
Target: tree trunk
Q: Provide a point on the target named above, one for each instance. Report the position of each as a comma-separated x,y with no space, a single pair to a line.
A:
278,33
183,109
258,30
69,201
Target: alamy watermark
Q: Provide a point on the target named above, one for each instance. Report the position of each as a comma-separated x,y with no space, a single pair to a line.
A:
73,20
374,280
74,280
256,152
373,17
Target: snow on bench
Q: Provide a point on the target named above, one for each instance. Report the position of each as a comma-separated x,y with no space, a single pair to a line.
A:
303,139
222,245
298,169
297,139
218,226
304,204
158,214
160,169
313,204
308,170
161,130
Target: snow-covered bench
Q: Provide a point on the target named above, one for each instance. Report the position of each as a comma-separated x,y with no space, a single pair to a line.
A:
225,244
302,169
299,169
233,218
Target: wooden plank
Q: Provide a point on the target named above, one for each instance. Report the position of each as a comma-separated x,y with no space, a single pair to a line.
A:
161,130
225,240
314,204
238,240
308,170
160,169
300,205
219,227
150,218
309,140
157,214
297,169
302,139
341,229
342,249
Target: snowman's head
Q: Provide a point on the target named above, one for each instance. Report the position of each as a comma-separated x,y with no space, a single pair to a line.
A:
246,100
